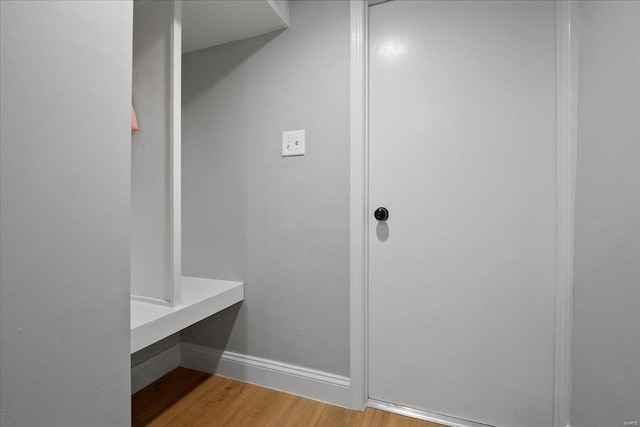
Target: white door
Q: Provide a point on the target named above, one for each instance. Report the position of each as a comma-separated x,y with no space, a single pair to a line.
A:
463,156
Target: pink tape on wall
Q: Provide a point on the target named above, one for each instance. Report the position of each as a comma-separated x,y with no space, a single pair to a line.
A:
134,120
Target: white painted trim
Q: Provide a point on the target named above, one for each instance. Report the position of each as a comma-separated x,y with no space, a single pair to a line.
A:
566,140
152,369
423,415
358,245
175,150
309,383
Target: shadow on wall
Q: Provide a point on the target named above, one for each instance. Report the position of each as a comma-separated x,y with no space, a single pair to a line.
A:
215,331
235,53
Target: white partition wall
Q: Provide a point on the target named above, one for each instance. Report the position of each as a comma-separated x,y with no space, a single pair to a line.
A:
65,79
155,176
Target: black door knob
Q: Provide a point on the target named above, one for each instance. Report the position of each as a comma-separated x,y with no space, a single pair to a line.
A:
381,214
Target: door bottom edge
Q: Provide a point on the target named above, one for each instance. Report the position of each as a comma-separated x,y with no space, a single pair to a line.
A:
423,415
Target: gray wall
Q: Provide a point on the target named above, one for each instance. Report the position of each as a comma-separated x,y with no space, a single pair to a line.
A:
280,224
158,347
606,342
65,208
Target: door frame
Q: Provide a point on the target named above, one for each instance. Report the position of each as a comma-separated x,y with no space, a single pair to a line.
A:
566,154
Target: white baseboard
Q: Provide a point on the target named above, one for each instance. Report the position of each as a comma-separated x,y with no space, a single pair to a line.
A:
309,383
151,369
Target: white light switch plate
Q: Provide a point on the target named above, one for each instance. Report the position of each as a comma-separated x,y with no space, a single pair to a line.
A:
293,143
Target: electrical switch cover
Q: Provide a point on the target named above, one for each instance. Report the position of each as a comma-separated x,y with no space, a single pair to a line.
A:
293,143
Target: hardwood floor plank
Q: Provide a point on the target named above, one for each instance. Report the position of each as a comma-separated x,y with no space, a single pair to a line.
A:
236,411
204,404
272,416
302,412
150,403
335,416
373,418
187,398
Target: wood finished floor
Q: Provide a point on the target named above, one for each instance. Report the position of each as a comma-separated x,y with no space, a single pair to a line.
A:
185,397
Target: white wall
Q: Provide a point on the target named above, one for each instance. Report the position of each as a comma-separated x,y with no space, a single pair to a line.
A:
65,205
151,250
280,224
606,342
